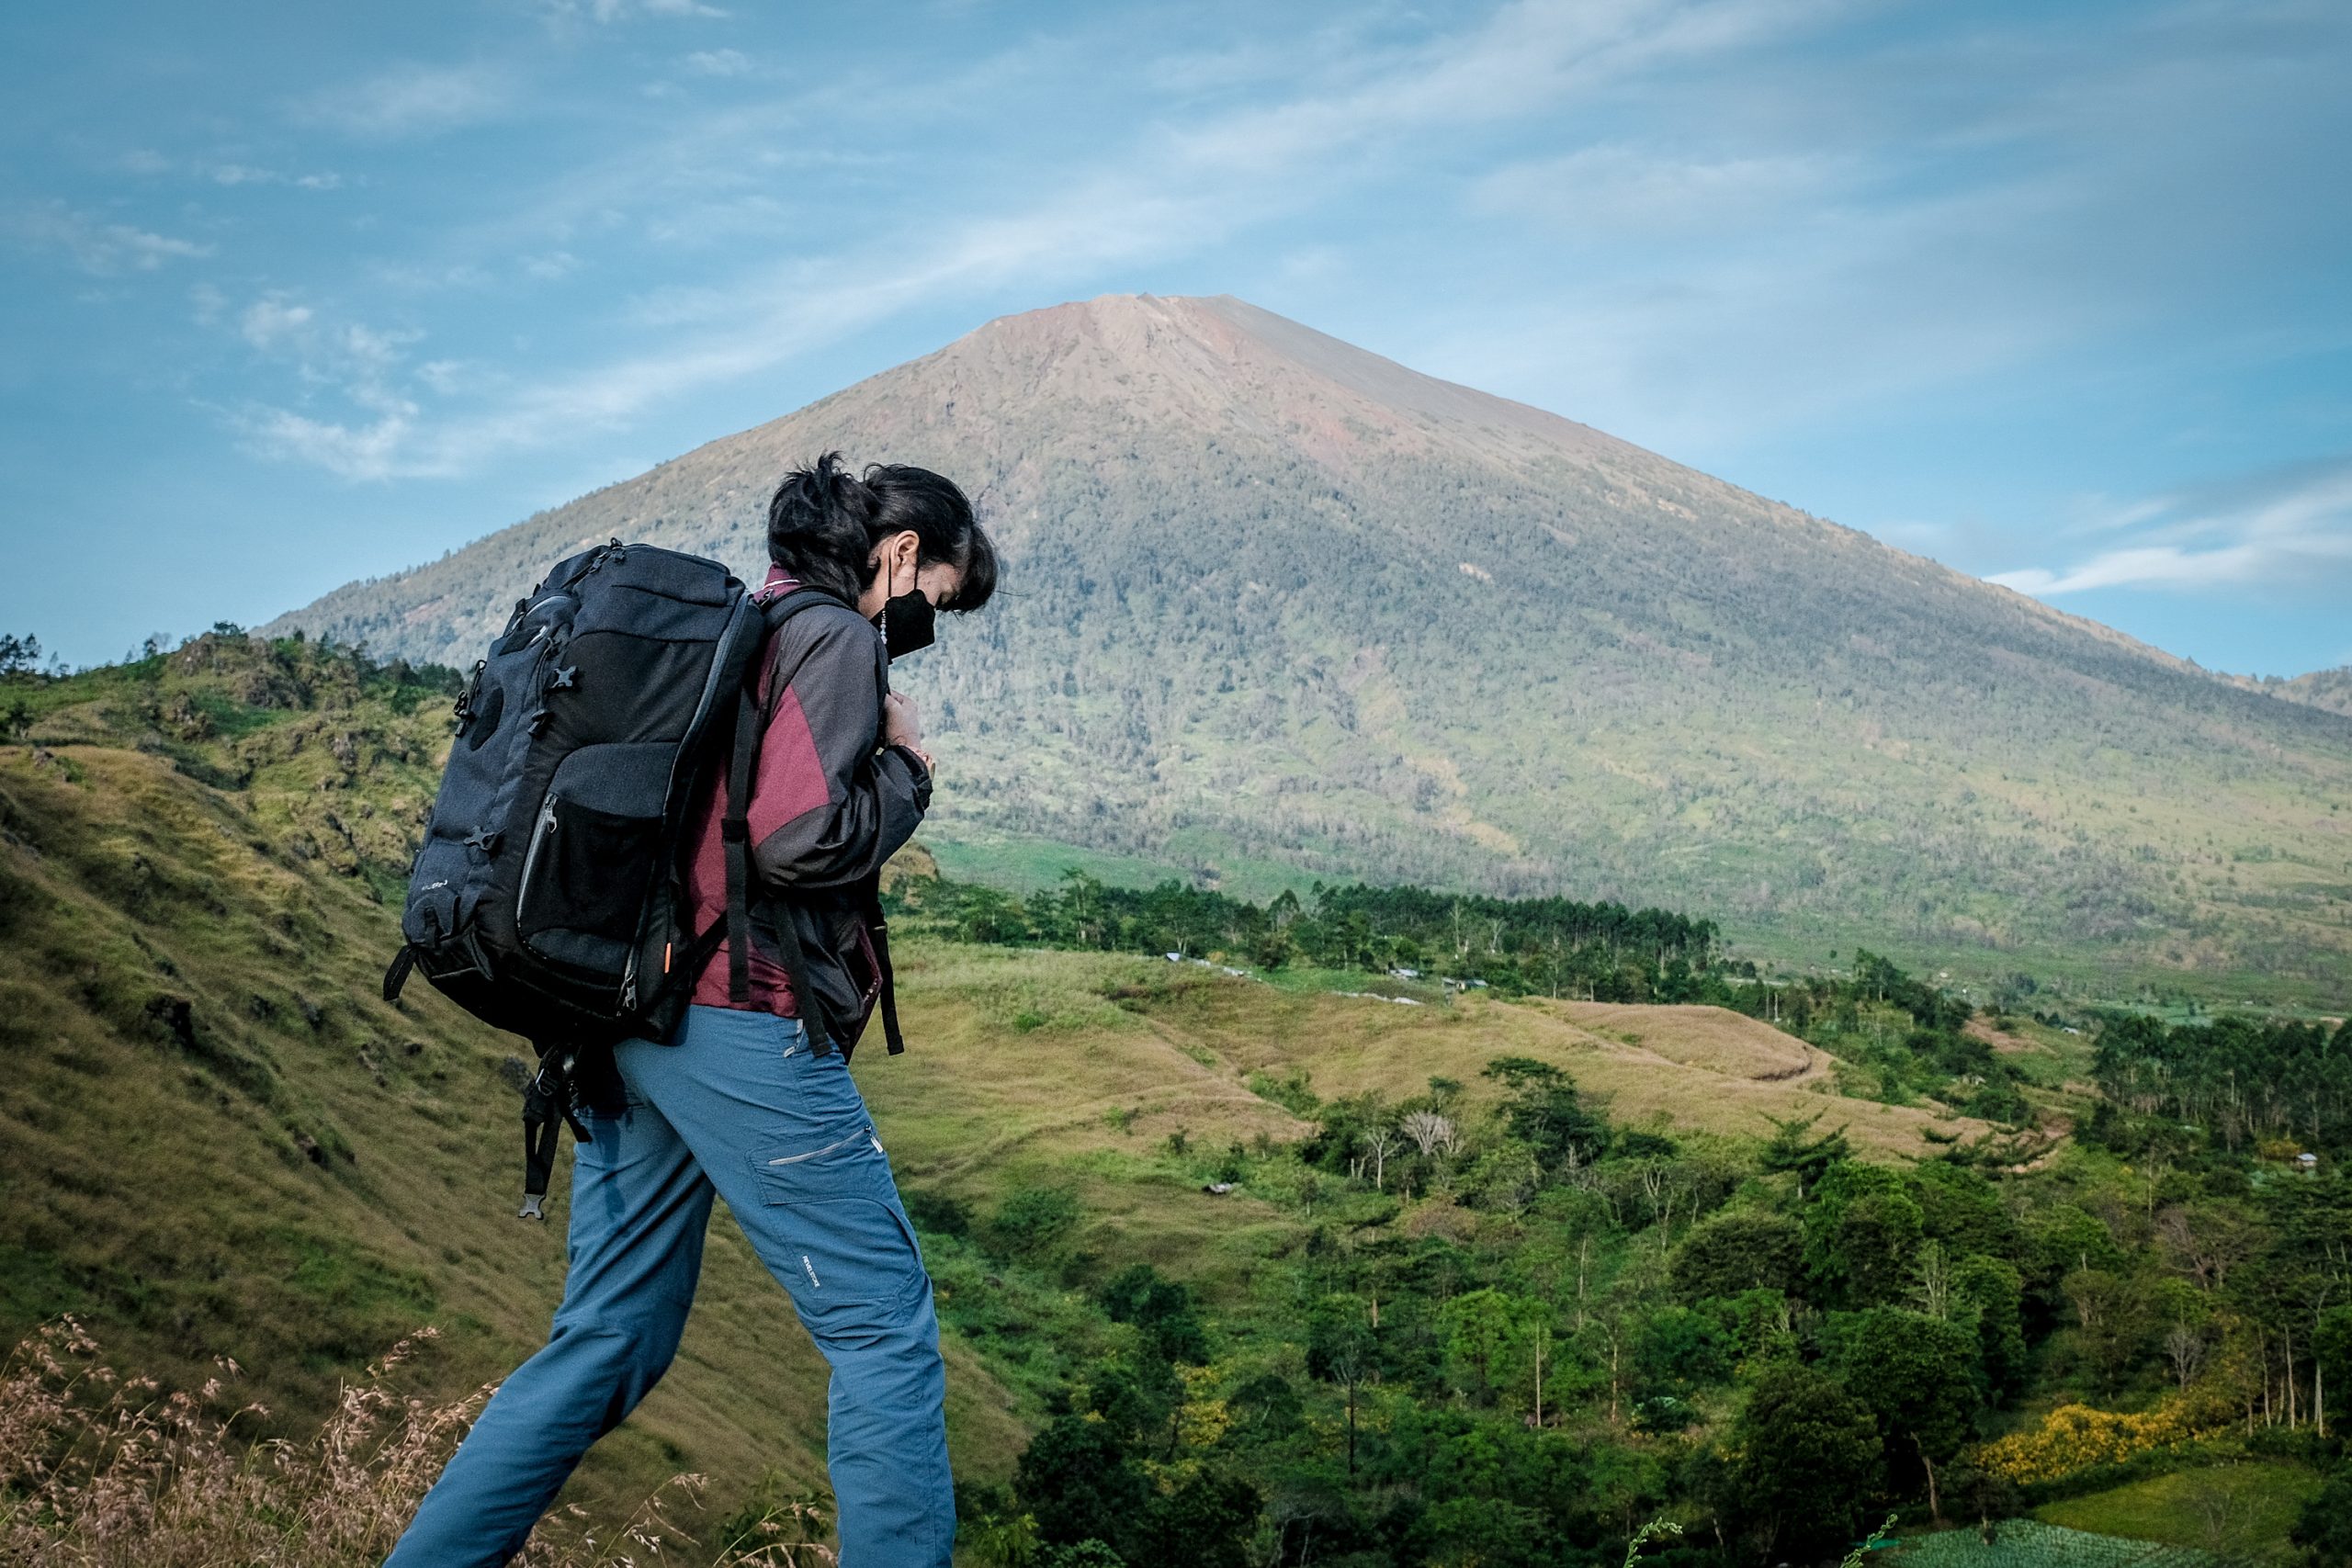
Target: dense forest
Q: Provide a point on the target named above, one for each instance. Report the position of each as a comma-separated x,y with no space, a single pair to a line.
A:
1518,1331
1603,951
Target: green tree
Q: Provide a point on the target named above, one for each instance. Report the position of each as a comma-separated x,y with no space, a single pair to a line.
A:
1087,1553
1032,1220
1862,1230
1490,1338
1076,1481
1808,1159
1803,1453
1544,1112
1342,1350
1917,1376
1002,1542
2323,1528
1207,1518
1163,1310
1739,1249
1990,1295
2114,1320
1961,1210
19,655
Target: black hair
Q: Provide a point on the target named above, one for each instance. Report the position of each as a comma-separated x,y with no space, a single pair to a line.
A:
824,522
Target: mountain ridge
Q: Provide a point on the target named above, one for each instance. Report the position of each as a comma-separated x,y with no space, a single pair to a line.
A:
1276,605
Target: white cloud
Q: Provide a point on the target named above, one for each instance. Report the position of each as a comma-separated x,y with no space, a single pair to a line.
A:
605,12
1618,190
719,63
2294,530
99,247
251,174
412,99
269,324
348,362
363,452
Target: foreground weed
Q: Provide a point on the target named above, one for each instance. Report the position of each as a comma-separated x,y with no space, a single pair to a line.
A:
102,1471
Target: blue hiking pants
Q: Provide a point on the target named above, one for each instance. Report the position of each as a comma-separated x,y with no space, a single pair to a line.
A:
738,1106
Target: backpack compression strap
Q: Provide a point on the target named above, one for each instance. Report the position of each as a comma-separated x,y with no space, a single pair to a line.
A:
547,1107
879,929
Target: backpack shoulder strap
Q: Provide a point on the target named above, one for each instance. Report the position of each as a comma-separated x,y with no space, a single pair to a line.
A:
735,830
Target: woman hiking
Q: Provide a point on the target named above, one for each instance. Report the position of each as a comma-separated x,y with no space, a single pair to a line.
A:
740,1104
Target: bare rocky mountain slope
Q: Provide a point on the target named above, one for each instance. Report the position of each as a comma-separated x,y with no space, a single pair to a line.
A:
1275,604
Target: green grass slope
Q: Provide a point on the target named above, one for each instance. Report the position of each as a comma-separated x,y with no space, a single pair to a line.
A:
219,1141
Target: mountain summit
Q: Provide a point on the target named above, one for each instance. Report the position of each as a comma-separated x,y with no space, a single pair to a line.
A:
1276,605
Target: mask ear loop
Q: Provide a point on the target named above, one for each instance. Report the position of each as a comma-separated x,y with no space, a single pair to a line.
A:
889,565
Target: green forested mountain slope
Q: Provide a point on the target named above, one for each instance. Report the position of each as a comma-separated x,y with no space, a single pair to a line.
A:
1272,601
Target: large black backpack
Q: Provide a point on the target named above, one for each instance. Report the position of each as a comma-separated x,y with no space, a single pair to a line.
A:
547,898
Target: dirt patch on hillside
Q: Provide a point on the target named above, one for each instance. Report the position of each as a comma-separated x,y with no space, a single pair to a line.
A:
2001,1040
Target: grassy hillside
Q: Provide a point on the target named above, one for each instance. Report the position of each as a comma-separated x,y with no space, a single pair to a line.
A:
1274,604
223,1143
219,1142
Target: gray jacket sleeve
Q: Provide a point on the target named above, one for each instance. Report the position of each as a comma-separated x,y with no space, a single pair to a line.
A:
828,806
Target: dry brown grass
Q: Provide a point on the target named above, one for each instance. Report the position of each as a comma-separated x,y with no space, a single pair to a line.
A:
1712,1040
1182,1046
102,1471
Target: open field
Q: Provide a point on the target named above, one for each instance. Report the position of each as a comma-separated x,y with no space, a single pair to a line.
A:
2026,1544
2239,1511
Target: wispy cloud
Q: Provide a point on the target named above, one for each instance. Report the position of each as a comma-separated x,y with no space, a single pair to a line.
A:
412,99
100,248
1627,191
718,62
249,174
1174,191
605,12
350,363
2288,530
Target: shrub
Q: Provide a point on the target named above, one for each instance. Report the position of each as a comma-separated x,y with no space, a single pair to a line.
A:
1033,1221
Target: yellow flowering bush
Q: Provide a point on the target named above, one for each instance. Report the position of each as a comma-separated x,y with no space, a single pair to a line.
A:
2079,1436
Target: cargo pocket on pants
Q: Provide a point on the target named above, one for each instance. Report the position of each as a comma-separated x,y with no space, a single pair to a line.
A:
836,1211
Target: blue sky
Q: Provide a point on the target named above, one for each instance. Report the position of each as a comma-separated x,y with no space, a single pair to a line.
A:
2056,294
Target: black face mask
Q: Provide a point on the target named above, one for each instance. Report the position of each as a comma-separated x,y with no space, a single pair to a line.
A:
907,623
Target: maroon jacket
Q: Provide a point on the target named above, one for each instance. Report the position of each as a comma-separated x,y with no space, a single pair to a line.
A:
829,804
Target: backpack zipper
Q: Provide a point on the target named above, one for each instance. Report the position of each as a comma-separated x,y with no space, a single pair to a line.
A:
541,831
864,1132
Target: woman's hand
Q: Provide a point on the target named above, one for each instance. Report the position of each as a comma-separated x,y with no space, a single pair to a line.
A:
901,726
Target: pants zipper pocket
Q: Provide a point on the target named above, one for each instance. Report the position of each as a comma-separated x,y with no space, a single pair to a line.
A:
864,1132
